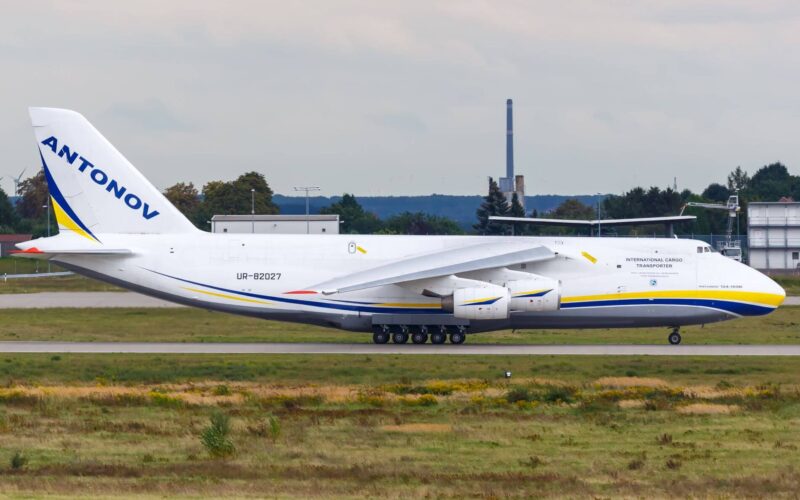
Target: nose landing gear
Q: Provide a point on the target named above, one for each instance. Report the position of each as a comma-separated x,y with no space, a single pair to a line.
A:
675,336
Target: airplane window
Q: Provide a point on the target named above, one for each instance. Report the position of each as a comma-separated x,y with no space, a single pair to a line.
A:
706,249
699,249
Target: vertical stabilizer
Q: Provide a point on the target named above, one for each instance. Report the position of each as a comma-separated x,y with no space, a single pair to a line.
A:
93,188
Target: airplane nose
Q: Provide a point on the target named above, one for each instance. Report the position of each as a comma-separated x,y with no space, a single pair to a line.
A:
770,286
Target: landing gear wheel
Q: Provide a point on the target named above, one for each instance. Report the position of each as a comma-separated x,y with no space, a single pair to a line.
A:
400,336
439,336
457,338
419,337
674,338
381,335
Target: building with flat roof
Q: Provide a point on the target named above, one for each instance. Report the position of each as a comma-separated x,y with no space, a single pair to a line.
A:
275,224
773,232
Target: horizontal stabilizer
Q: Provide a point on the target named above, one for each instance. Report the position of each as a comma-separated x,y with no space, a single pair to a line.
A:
35,253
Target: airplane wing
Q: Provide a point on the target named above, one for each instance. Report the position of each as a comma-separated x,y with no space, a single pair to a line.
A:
433,265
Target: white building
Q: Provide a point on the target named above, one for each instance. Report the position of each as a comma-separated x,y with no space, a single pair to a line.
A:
773,233
275,224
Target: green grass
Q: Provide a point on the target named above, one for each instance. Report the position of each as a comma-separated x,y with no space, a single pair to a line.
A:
789,283
194,325
352,369
74,283
16,265
401,426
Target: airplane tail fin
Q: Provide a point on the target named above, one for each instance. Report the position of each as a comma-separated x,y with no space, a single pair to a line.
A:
93,188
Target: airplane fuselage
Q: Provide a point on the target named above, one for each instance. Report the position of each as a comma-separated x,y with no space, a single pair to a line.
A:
605,282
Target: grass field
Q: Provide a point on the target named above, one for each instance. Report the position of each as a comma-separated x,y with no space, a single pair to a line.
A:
193,325
397,427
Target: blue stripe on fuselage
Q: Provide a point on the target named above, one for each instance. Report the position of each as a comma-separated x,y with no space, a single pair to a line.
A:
342,307
740,308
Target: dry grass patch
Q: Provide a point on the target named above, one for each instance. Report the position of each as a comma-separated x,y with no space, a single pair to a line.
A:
630,403
624,382
709,392
420,427
707,409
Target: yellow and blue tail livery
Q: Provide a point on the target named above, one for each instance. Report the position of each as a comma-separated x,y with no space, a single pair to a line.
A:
93,187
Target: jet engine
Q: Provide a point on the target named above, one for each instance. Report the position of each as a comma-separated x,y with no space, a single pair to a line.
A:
487,302
541,294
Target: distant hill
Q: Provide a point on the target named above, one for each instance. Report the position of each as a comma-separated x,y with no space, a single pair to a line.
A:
459,208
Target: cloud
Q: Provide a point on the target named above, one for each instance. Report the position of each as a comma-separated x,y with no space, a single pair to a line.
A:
150,115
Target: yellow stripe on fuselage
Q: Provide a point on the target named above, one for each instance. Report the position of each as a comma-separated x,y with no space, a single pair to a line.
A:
66,222
227,296
769,299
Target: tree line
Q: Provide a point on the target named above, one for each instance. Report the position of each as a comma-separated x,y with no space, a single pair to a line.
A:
251,191
770,183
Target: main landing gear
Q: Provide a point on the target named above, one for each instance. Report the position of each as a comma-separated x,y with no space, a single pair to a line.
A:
419,334
675,336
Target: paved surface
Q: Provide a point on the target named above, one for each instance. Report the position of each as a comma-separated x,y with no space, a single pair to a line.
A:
468,349
117,299
44,300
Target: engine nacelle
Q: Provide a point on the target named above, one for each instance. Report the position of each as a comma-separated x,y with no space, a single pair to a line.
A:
540,294
487,302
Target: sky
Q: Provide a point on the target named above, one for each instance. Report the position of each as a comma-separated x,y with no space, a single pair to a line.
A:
407,98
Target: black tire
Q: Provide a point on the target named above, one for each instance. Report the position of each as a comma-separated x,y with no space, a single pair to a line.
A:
457,338
438,338
674,338
419,338
380,337
400,337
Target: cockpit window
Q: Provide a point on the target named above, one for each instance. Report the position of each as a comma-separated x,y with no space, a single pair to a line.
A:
699,249
706,249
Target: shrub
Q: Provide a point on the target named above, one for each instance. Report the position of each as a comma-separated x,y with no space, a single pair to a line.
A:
215,437
556,394
165,400
274,427
533,462
635,464
222,390
424,400
18,460
518,394
664,439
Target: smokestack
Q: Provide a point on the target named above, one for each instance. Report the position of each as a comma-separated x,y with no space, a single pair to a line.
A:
509,139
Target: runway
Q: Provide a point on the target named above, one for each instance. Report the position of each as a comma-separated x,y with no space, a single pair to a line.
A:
446,349
44,300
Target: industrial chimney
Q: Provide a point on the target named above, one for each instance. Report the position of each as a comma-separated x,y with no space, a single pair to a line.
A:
511,184
509,139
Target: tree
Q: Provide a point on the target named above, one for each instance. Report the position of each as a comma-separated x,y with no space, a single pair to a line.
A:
517,210
420,223
573,209
738,180
352,216
716,192
234,197
185,198
494,204
770,182
33,196
8,217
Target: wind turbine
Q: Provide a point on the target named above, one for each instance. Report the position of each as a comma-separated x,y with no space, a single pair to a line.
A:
17,181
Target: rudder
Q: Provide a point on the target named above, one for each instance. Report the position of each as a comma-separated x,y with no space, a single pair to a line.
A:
94,189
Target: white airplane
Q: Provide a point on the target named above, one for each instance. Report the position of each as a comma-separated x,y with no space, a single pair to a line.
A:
116,227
